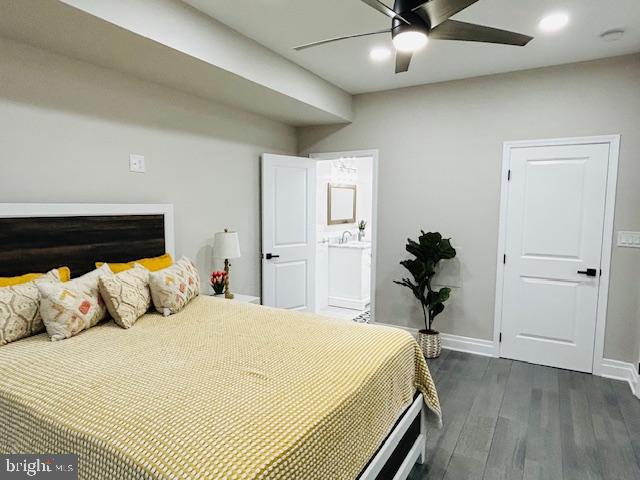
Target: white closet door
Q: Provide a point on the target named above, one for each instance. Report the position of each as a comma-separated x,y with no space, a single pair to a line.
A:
555,220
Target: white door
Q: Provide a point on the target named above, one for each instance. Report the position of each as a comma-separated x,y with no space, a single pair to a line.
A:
288,232
554,231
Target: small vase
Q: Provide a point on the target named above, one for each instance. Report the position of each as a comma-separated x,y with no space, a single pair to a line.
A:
218,288
360,235
430,343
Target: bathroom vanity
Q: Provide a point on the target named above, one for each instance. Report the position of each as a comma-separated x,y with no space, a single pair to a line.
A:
350,275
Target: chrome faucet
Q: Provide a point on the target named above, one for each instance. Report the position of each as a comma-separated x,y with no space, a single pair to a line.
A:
346,232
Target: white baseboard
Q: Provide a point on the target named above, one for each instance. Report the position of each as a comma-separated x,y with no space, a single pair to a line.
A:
614,369
458,343
621,371
477,346
350,303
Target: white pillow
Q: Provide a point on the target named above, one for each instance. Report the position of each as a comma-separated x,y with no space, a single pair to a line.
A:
20,309
173,287
126,294
71,307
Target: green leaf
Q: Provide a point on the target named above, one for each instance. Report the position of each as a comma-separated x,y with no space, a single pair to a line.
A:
437,309
416,268
446,250
430,239
415,249
443,294
438,296
430,267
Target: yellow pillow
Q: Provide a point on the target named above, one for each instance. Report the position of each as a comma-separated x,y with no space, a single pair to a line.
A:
63,272
152,264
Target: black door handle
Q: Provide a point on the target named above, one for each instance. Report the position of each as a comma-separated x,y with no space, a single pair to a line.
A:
269,256
589,272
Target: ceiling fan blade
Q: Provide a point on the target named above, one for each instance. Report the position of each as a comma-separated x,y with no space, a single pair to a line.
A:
403,59
469,32
336,39
438,11
382,8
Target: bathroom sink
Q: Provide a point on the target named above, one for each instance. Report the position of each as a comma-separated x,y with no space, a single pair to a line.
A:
354,244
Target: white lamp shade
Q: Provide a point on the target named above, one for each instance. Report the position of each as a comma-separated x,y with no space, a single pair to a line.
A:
226,245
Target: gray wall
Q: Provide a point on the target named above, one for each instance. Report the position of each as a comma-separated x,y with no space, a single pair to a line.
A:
67,129
440,158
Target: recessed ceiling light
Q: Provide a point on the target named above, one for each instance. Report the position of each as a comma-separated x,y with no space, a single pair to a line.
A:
379,54
554,22
410,41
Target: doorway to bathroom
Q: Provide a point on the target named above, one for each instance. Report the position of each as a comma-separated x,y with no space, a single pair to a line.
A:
346,195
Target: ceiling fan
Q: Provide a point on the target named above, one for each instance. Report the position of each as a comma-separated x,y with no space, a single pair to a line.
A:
413,22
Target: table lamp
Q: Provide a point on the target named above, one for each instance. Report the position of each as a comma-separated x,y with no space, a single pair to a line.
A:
226,246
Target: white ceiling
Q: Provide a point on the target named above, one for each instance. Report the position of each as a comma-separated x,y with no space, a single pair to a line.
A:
172,44
282,24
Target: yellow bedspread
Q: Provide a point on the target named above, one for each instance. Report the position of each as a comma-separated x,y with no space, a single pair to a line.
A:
219,390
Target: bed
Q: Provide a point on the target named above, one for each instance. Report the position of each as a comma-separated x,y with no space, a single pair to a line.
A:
219,390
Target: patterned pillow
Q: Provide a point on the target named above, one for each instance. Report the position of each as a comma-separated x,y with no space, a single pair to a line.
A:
69,308
126,294
172,288
20,309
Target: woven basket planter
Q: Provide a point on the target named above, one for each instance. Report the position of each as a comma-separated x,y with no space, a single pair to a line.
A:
430,343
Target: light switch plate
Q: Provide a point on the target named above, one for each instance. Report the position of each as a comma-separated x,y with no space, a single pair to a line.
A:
136,163
629,239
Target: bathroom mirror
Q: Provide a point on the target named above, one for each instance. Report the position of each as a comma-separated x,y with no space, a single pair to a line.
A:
341,204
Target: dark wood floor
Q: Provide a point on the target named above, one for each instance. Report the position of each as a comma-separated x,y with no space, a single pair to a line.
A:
512,420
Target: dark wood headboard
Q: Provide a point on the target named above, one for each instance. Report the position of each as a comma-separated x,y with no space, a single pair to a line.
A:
39,243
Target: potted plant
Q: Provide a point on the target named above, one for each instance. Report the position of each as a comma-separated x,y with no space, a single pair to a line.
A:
218,278
362,225
428,251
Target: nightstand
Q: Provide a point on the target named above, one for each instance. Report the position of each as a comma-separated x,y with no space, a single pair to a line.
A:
238,297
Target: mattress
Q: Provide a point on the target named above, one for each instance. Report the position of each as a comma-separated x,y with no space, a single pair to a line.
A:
219,390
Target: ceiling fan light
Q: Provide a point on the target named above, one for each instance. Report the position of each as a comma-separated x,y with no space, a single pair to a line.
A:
410,40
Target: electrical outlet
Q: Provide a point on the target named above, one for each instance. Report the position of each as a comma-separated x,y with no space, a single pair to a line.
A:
629,239
136,163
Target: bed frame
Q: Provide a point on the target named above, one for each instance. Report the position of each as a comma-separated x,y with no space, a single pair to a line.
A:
405,445
36,237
